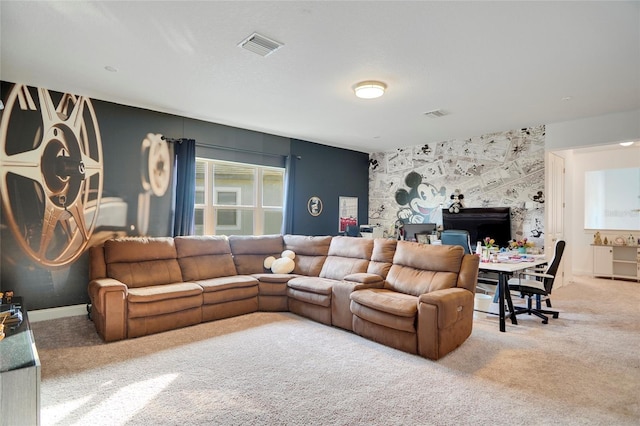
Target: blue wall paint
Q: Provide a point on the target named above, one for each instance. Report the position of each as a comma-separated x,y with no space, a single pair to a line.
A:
327,172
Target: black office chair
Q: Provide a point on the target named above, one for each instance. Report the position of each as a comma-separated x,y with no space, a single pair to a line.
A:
457,237
538,283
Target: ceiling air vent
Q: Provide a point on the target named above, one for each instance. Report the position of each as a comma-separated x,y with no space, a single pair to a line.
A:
260,44
436,113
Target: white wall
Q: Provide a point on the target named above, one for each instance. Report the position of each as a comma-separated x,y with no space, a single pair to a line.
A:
577,162
570,140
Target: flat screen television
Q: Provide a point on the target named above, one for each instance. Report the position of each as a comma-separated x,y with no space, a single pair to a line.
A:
494,222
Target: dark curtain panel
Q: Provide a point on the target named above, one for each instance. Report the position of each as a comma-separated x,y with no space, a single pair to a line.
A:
289,186
185,187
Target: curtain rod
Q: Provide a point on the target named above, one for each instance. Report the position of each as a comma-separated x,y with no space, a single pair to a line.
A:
245,151
225,148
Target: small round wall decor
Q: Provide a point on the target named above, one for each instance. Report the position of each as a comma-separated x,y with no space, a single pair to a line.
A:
314,206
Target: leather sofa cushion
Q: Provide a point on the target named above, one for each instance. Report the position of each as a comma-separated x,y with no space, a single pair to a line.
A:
382,256
308,245
161,307
347,255
428,257
273,278
385,308
144,274
388,301
357,248
312,284
249,251
272,289
336,268
311,251
200,245
230,295
139,249
421,268
202,257
252,244
208,266
141,262
226,283
364,278
323,300
163,292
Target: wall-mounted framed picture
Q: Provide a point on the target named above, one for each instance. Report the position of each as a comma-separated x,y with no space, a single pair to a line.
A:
348,212
314,206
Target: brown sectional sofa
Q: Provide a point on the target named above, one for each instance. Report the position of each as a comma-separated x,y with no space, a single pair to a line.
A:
413,297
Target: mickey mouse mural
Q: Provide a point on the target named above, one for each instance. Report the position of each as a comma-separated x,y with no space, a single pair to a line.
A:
422,201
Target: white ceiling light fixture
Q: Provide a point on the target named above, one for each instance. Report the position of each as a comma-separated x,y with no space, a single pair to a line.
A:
369,89
629,143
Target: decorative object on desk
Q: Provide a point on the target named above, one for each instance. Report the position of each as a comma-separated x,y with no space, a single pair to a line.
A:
620,241
8,295
521,245
489,242
1,295
456,202
631,241
606,241
486,250
597,240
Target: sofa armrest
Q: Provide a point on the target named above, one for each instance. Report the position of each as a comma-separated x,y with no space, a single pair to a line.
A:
98,290
451,304
445,320
109,300
364,278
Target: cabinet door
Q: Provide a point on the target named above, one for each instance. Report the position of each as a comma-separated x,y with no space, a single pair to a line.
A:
602,261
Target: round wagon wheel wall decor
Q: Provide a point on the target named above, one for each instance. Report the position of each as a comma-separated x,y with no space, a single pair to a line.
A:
314,206
51,179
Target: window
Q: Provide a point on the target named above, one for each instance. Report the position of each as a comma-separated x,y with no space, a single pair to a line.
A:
240,199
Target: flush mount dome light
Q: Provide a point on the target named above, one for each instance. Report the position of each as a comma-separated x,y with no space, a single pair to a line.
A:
369,89
626,143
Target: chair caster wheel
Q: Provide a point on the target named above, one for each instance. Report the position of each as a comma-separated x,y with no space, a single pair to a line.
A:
555,315
545,321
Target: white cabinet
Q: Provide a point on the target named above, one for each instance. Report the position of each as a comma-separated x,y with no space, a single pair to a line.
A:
617,262
602,261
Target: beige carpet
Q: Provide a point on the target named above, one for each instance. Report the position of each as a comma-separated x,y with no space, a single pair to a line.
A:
278,368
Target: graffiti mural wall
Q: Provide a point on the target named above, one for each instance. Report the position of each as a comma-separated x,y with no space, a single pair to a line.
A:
494,170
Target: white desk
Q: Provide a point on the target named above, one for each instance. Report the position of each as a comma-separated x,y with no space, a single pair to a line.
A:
505,269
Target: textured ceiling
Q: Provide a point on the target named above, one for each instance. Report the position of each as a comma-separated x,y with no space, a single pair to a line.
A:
492,66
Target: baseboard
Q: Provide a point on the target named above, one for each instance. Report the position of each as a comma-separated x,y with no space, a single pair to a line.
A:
53,313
